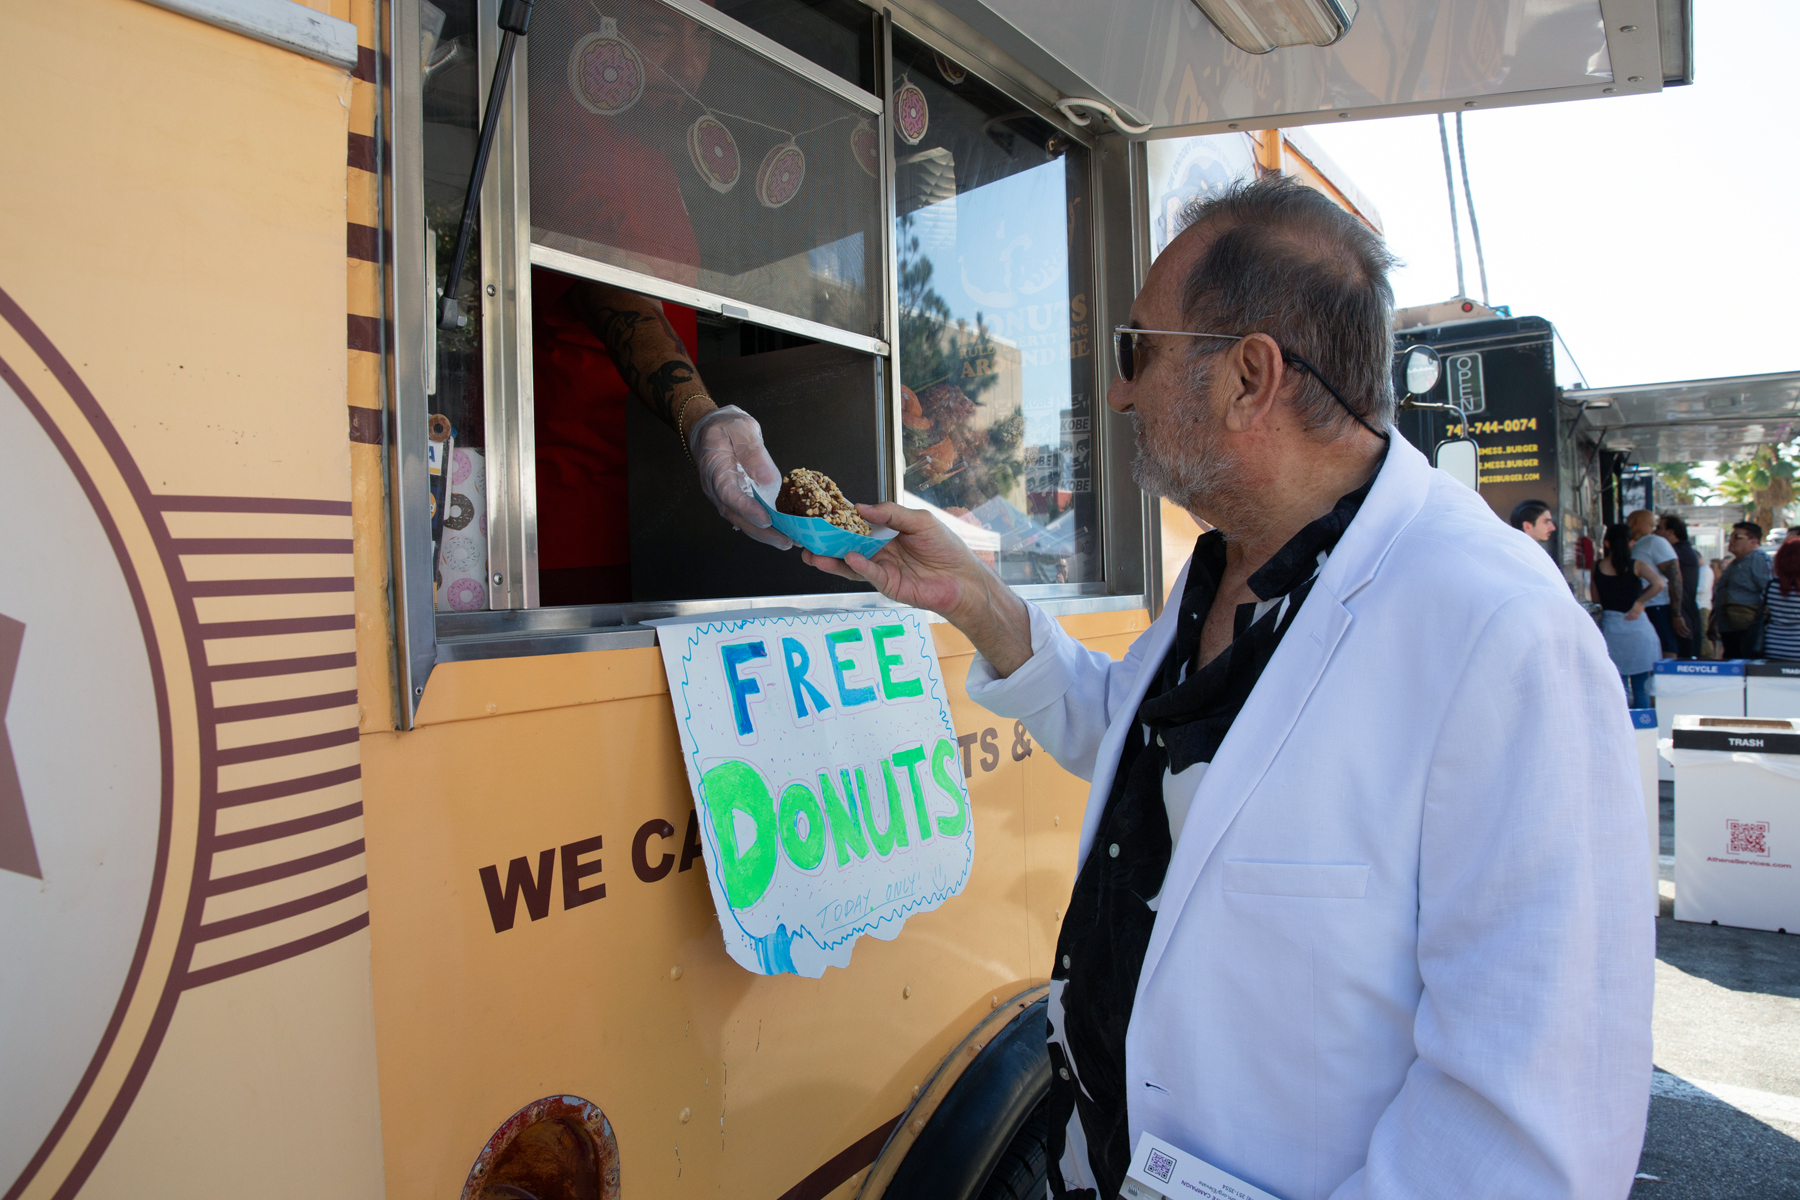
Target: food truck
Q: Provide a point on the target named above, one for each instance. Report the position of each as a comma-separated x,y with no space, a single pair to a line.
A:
348,834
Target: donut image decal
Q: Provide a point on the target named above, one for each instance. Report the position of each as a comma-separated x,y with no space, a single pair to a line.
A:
779,178
865,147
714,152
911,115
952,74
605,72
467,595
459,512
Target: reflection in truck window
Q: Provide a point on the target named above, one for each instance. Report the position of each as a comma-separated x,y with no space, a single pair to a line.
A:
996,321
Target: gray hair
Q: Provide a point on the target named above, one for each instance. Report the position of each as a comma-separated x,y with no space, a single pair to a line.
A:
1290,263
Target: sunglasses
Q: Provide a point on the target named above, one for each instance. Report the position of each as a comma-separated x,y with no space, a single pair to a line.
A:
1125,349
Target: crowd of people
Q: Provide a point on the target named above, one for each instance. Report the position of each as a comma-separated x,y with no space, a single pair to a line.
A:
1649,582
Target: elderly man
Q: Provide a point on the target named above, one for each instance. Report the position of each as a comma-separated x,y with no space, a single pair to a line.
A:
1360,908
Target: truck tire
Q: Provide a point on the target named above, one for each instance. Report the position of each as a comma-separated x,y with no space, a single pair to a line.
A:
975,1131
1023,1172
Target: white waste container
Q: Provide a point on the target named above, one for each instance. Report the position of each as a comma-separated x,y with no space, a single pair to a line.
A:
1687,687
1737,821
1643,720
1772,689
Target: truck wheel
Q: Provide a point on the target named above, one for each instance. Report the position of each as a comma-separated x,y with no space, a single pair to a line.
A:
1023,1172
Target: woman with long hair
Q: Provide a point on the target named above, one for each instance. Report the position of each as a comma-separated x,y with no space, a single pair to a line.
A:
1621,585
1781,631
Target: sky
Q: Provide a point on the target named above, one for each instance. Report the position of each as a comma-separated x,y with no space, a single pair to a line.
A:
1660,234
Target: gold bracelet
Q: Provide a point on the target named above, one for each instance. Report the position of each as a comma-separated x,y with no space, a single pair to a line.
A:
680,432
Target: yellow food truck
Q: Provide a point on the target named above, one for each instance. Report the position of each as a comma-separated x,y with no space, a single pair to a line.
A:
346,845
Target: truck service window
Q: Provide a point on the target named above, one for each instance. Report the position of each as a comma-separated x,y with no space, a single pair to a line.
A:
996,320
661,150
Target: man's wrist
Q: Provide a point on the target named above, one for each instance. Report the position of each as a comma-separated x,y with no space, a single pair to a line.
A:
996,621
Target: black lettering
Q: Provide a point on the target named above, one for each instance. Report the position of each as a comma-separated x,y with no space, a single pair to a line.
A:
1021,747
503,907
964,742
691,850
640,860
990,749
574,871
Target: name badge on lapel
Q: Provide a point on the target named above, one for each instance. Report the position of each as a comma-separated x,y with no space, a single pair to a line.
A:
1161,1172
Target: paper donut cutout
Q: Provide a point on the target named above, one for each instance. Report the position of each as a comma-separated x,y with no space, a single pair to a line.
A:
949,71
912,117
605,72
865,148
779,178
715,153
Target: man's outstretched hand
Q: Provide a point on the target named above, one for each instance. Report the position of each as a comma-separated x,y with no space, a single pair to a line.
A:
927,566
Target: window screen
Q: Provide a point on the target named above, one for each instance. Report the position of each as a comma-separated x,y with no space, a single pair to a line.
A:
660,147
996,320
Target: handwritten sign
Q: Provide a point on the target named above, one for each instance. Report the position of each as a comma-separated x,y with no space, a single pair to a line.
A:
827,777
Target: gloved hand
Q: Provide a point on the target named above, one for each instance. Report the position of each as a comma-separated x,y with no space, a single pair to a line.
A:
728,450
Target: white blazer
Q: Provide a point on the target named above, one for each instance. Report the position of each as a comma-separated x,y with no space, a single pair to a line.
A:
1401,949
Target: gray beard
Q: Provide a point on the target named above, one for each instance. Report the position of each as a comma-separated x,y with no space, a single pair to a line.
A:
1183,461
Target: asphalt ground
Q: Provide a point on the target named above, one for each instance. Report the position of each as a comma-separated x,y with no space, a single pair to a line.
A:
1725,1100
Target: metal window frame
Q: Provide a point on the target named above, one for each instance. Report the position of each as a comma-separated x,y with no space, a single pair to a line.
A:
514,626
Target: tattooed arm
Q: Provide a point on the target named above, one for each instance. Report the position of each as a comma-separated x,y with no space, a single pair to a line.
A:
727,451
645,348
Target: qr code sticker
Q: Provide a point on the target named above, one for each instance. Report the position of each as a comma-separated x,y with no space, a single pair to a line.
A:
1749,837
1159,1164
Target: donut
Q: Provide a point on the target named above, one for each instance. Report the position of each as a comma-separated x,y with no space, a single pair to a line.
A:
952,74
779,178
714,152
466,594
605,73
460,466
912,116
865,147
458,512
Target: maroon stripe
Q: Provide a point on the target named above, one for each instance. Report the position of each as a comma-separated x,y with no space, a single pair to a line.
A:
365,333
272,587
362,152
365,64
281,666
280,912
299,745
252,962
363,242
277,625
298,866
283,708
262,545
287,787
281,829
366,425
253,504
842,1165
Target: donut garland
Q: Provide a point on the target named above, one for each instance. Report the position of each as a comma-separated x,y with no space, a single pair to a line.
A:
782,172
714,153
607,77
947,70
605,72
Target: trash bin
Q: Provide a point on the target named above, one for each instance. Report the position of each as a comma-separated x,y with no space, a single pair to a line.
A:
1772,689
1737,820
1643,720
1707,689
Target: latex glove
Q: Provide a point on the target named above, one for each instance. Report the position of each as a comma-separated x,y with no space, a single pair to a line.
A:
728,450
